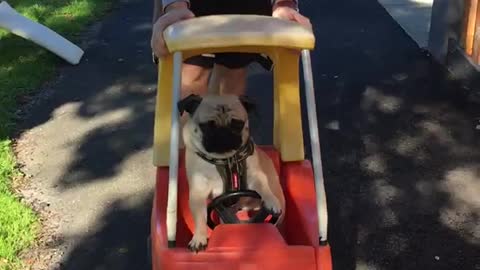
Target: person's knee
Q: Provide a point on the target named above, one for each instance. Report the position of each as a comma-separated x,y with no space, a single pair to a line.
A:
194,80
231,80
224,80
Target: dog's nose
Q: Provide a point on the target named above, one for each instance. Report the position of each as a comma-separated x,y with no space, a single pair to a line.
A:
237,125
220,139
234,125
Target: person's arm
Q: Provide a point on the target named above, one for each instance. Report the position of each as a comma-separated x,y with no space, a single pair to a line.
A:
167,3
285,3
163,16
288,10
161,6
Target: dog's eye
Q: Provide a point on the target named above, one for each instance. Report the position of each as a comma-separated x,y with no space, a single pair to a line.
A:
237,125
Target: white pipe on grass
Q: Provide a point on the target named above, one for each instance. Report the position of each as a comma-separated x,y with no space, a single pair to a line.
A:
38,33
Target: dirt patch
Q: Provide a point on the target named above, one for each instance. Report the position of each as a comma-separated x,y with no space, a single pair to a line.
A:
46,252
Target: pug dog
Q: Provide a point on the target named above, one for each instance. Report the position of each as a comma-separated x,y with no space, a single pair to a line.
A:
217,127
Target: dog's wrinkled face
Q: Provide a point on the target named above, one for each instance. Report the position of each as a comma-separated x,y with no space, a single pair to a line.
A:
218,124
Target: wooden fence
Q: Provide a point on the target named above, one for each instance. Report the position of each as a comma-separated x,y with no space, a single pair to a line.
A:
471,30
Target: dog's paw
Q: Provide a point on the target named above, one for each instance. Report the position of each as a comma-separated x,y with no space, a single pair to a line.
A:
198,243
272,204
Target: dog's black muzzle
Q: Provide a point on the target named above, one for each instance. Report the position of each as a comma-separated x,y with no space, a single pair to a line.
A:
222,139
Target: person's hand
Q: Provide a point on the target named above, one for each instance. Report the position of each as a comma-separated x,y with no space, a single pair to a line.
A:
175,12
289,13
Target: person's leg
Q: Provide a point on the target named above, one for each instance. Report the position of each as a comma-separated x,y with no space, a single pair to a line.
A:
195,75
195,71
194,80
230,68
226,80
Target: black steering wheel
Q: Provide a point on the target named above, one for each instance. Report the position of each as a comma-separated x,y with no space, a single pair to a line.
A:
222,205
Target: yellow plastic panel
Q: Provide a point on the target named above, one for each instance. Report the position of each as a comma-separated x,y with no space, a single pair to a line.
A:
218,31
288,134
163,113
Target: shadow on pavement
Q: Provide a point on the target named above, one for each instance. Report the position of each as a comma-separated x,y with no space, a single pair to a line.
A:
120,242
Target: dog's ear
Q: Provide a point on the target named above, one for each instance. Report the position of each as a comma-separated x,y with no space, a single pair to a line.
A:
189,104
248,103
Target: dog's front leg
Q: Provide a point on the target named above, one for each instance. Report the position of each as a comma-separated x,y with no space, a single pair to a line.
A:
198,208
259,182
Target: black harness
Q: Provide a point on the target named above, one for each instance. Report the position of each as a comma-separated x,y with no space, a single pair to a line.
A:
233,170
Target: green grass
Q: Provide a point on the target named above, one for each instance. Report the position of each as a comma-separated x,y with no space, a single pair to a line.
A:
24,66
17,222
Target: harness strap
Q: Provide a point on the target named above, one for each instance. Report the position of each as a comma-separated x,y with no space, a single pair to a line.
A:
233,175
233,170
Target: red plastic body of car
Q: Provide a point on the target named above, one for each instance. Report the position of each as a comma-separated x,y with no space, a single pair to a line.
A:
294,245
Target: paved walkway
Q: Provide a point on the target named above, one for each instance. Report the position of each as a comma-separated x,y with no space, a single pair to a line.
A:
399,145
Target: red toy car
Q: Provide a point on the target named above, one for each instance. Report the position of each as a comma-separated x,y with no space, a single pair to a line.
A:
300,242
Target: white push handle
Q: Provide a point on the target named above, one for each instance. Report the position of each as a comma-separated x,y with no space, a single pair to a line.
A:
174,141
315,145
